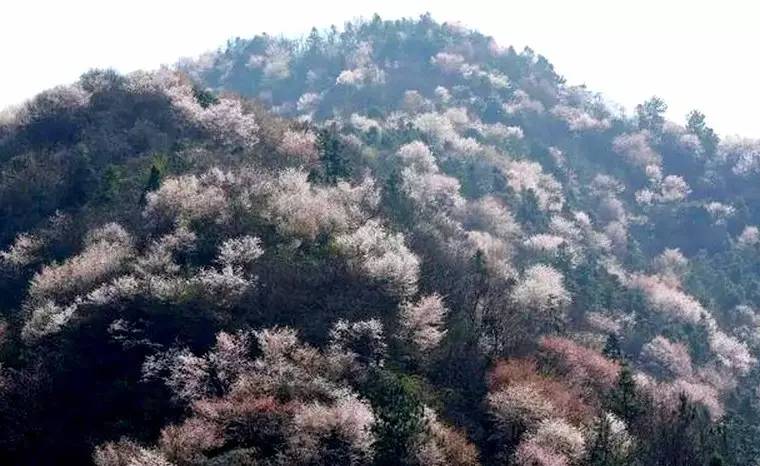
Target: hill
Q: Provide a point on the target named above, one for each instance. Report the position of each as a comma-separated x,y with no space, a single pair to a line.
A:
398,243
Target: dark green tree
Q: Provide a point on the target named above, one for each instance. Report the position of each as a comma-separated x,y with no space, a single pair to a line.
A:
612,347
651,114
156,175
624,400
110,181
334,161
399,412
529,213
82,180
205,98
695,122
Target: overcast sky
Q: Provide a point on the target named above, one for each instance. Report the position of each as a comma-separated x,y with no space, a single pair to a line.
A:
694,54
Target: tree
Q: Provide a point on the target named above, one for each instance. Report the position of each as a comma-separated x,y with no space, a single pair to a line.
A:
684,438
399,417
82,180
333,157
612,347
624,400
204,97
651,114
610,443
707,137
110,181
314,43
423,322
529,213
155,177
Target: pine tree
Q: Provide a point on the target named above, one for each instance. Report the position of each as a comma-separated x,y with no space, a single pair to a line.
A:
109,185
399,414
334,161
651,114
530,214
157,170
707,137
612,347
204,97
624,401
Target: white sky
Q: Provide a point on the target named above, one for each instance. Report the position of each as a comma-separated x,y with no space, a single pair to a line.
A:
694,54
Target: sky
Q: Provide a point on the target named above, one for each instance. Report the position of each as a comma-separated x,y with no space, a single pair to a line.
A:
696,54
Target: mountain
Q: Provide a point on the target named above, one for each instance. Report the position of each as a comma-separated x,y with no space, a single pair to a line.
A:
398,243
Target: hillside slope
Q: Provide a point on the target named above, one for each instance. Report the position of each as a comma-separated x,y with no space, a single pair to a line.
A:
395,244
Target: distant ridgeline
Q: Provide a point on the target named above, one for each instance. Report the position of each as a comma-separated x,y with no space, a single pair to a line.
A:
398,243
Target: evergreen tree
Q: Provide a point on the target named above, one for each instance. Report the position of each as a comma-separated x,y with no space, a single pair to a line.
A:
204,97
651,114
696,124
154,178
612,347
624,400
399,413
334,162
111,179
530,214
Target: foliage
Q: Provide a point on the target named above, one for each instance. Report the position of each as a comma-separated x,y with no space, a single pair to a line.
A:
400,243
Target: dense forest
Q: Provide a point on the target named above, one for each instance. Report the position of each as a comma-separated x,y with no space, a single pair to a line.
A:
392,243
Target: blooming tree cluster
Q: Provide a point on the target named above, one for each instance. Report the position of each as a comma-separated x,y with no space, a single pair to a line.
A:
382,256
440,444
56,290
423,322
548,417
582,366
667,298
542,290
742,155
720,212
187,198
667,394
456,64
274,63
301,145
671,265
523,103
579,120
529,176
25,250
749,237
291,392
637,150
304,210
225,121
444,129
361,70
669,357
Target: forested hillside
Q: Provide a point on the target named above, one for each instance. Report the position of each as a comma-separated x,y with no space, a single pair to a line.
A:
397,243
